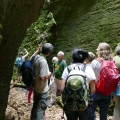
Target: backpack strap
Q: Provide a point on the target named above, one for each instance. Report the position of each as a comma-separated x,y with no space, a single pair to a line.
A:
83,68
33,59
69,68
100,60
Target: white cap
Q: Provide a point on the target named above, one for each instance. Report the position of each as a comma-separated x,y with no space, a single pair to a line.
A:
60,53
55,59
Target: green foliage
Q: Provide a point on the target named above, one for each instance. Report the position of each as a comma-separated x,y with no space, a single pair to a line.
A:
40,31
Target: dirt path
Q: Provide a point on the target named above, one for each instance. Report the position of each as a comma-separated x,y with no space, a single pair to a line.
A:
18,108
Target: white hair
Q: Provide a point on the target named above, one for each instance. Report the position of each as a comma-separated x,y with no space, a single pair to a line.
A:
60,53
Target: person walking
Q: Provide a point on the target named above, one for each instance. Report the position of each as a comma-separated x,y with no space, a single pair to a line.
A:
41,87
116,114
104,52
79,56
22,57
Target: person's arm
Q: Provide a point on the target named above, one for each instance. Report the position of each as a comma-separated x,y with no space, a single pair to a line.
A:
46,77
26,53
64,77
37,51
92,86
62,85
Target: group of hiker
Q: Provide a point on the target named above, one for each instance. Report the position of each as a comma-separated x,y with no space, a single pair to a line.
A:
86,83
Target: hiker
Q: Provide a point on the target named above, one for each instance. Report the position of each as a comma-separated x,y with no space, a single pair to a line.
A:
88,61
90,58
41,87
104,52
116,94
22,57
53,85
78,58
60,65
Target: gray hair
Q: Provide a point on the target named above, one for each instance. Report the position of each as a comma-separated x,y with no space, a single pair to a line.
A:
47,48
117,50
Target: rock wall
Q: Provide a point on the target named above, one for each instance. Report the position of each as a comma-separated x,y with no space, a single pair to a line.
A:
79,23
86,24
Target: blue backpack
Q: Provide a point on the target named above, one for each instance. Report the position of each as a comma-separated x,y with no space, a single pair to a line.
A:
18,62
28,76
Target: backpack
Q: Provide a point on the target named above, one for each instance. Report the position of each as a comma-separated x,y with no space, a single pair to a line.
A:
76,94
108,78
18,62
28,76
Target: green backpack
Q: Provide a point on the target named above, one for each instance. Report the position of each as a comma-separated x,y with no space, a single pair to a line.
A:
76,94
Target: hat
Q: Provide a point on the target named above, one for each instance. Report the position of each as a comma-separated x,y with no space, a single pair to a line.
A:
60,53
55,59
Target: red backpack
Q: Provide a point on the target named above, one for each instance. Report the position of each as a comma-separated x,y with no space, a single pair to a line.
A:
108,78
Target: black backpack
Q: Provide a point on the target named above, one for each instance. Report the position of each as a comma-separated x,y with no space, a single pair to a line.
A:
28,75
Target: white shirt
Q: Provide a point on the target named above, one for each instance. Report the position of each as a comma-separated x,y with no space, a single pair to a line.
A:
88,72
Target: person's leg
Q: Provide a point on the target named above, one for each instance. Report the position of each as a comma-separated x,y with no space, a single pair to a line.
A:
91,114
39,106
71,115
20,78
19,75
53,91
58,82
94,105
83,115
116,114
103,104
30,92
